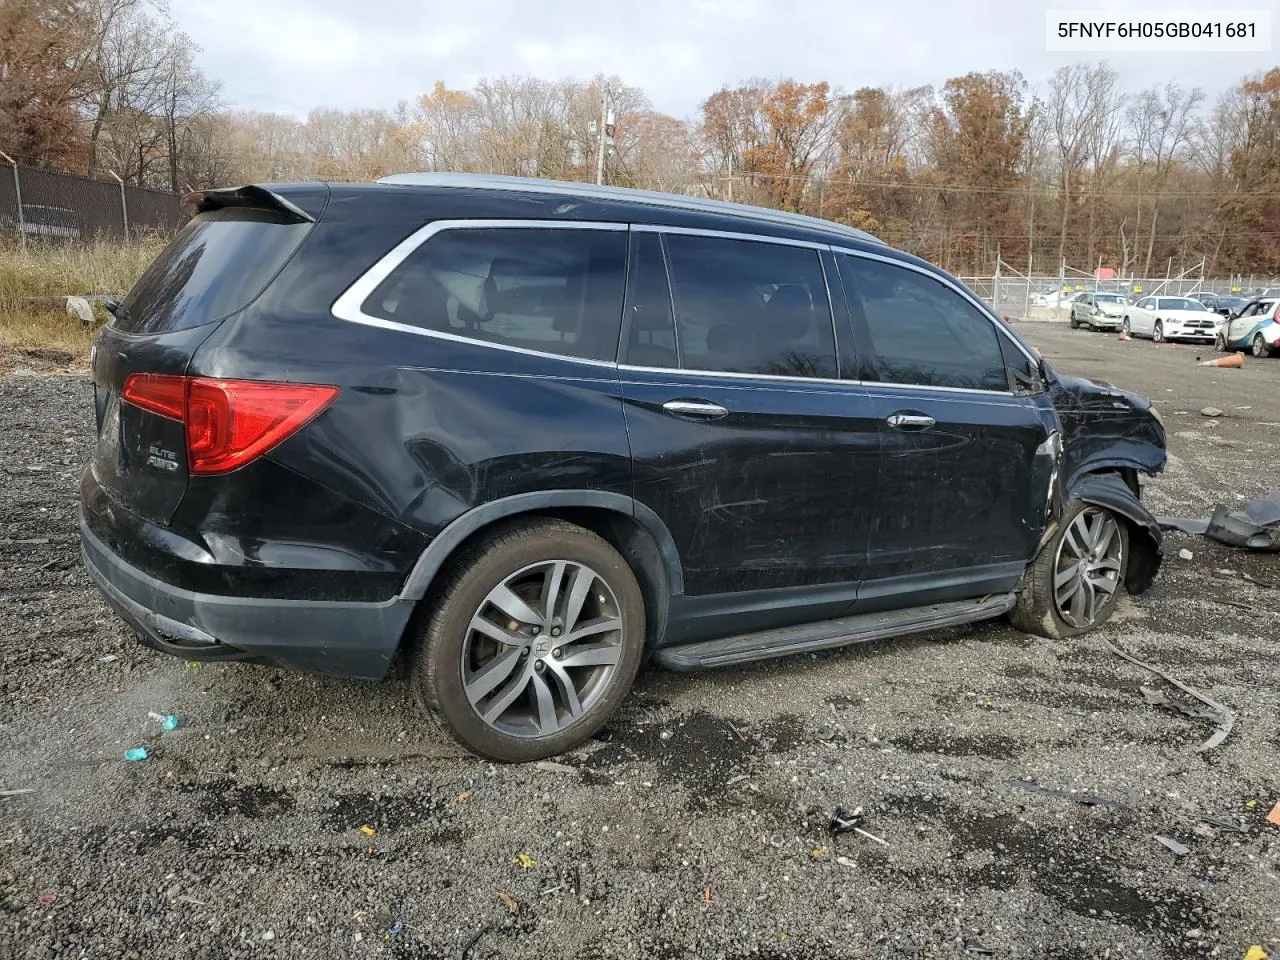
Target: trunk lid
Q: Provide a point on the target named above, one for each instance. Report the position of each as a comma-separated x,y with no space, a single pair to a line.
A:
215,267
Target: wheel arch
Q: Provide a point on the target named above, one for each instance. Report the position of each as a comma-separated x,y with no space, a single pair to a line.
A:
1116,490
630,527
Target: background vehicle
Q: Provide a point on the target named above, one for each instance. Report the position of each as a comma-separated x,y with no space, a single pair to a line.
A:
447,413
1056,298
1223,304
1098,311
40,221
1256,328
1171,318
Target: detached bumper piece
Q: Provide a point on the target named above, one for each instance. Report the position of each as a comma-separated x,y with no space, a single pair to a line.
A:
346,639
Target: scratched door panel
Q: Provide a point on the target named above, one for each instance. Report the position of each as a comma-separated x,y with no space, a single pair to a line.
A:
958,495
776,493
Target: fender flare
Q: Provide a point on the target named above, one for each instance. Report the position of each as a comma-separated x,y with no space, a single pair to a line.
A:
442,546
1109,490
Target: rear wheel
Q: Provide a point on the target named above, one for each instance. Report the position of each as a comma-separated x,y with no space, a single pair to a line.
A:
1260,347
534,643
1074,583
1075,324
1219,343
1124,327
1157,332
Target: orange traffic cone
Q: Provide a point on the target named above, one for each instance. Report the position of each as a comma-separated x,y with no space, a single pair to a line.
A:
1124,336
1233,361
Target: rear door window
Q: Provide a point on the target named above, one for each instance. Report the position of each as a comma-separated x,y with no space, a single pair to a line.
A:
921,331
552,290
746,306
218,264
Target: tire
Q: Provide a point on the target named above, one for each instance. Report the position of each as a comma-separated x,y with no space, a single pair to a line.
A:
1074,323
1157,332
1261,349
518,565
1037,610
1219,343
1124,328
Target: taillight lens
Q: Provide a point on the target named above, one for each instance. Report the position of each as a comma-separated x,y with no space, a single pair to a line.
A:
157,393
229,422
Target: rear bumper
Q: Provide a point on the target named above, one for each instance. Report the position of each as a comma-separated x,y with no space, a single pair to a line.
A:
341,638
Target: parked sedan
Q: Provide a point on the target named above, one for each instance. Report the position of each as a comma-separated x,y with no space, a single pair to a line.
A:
1255,328
1171,318
1098,311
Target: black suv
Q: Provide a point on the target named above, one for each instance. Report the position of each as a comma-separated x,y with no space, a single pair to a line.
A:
535,432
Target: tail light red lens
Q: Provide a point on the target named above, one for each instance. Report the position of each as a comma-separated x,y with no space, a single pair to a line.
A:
229,422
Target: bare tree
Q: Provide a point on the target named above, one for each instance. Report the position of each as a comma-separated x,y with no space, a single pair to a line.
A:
1161,124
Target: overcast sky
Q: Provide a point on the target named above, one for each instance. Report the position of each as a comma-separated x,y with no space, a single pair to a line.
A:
293,55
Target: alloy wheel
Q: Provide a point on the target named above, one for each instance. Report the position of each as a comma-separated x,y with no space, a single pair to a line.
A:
1124,327
1157,332
1086,570
542,648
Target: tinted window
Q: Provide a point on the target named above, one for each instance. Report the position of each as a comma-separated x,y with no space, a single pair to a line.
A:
1179,303
216,265
923,332
750,307
554,290
651,331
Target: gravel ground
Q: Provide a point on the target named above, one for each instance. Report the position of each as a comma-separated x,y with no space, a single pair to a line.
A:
695,825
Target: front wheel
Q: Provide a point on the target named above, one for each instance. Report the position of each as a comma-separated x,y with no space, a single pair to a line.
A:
1124,327
1157,332
1073,584
1260,347
534,642
1219,343
1074,323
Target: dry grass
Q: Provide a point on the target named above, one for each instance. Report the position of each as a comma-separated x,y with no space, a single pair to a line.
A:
33,318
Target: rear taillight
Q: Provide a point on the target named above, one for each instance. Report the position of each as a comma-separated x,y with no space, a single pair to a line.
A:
228,422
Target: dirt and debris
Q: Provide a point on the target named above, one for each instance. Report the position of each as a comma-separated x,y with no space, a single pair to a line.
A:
245,821
1210,710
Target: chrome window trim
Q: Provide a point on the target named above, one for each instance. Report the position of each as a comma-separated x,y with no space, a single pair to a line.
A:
350,301
867,384
728,235
947,282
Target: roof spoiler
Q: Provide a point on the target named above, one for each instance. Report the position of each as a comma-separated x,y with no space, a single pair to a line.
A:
250,196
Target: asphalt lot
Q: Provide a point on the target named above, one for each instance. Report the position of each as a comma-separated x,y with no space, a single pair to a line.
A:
695,825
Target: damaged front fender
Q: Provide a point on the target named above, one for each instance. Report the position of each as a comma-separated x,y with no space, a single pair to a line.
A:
1109,490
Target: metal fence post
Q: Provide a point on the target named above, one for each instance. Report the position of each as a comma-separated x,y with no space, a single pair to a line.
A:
17,195
124,205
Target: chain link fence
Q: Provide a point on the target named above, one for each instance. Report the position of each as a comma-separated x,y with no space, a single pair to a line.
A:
48,206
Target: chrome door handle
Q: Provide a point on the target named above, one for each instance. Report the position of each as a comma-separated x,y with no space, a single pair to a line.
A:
697,409
910,421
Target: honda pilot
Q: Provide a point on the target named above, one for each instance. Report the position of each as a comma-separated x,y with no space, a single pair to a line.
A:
533,434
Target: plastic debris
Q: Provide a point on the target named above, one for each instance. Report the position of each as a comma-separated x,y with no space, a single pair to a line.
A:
1255,953
394,930
1084,799
367,830
525,861
1222,717
1185,554
1179,849
846,862
462,951
550,766
1256,527
168,722
1223,824
1274,816
136,754
978,949
843,822
109,658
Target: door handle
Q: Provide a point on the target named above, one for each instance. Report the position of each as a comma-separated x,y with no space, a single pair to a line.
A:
695,409
909,421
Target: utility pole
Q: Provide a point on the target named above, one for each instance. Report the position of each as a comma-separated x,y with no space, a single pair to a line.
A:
124,204
604,137
17,192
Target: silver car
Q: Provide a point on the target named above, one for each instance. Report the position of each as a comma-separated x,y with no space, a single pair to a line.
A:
1098,311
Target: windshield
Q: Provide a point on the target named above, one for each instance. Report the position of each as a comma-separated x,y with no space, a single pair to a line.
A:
1178,303
1109,298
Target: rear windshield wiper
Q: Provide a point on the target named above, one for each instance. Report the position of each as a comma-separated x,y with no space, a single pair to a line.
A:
119,311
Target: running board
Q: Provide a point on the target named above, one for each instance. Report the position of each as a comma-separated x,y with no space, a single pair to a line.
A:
830,633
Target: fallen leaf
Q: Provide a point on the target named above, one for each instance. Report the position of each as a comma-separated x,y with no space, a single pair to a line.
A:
526,862
508,901
1255,953
1251,804
818,852
367,830
706,895
463,797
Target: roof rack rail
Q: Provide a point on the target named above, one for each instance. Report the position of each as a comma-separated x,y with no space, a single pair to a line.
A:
484,181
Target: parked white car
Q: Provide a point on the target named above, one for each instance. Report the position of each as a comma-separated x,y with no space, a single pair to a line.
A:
1098,311
1057,298
1171,318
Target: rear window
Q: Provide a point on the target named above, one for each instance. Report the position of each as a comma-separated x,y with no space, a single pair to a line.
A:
216,265
547,289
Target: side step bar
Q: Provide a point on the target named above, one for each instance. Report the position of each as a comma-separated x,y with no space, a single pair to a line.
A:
830,633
